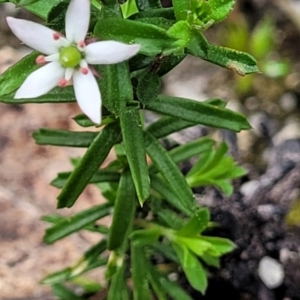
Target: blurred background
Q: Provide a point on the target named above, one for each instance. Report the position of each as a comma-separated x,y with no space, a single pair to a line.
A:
264,212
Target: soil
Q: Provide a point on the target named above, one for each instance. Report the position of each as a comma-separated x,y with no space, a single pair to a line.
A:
257,217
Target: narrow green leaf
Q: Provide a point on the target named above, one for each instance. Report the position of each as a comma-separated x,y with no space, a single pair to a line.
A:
240,62
54,219
139,274
196,224
190,149
167,125
63,293
153,277
215,161
145,237
57,95
90,162
124,210
42,8
153,39
161,187
180,8
167,13
197,246
64,137
221,244
173,289
83,120
169,63
200,113
76,222
166,250
211,260
169,170
148,4
13,77
99,176
118,289
216,102
198,44
133,140
148,87
170,218
115,85
192,268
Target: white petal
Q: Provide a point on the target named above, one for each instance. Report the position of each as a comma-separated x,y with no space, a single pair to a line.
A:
88,95
77,20
41,81
109,52
34,35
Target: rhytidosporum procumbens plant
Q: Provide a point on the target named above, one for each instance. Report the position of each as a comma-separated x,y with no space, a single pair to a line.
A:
157,227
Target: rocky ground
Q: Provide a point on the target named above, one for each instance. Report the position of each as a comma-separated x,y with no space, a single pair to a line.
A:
259,217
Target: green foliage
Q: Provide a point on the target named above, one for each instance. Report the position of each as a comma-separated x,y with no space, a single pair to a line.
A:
149,200
216,168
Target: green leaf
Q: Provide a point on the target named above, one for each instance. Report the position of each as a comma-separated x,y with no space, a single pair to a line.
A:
161,187
221,244
57,95
196,224
153,39
42,8
133,140
192,268
182,32
197,245
210,162
115,86
145,237
83,121
148,4
240,62
54,219
76,222
99,176
63,293
64,138
167,125
173,289
153,277
139,274
118,289
124,210
166,13
169,63
198,44
166,250
90,162
198,113
211,260
148,87
180,8
13,77
190,149
217,10
170,218
169,170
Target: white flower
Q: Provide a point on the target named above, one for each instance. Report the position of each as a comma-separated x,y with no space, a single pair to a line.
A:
68,57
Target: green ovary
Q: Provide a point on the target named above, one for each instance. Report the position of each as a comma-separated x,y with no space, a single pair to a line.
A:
69,57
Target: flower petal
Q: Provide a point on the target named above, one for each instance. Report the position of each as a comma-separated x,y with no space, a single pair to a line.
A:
109,52
41,81
88,95
77,20
34,35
